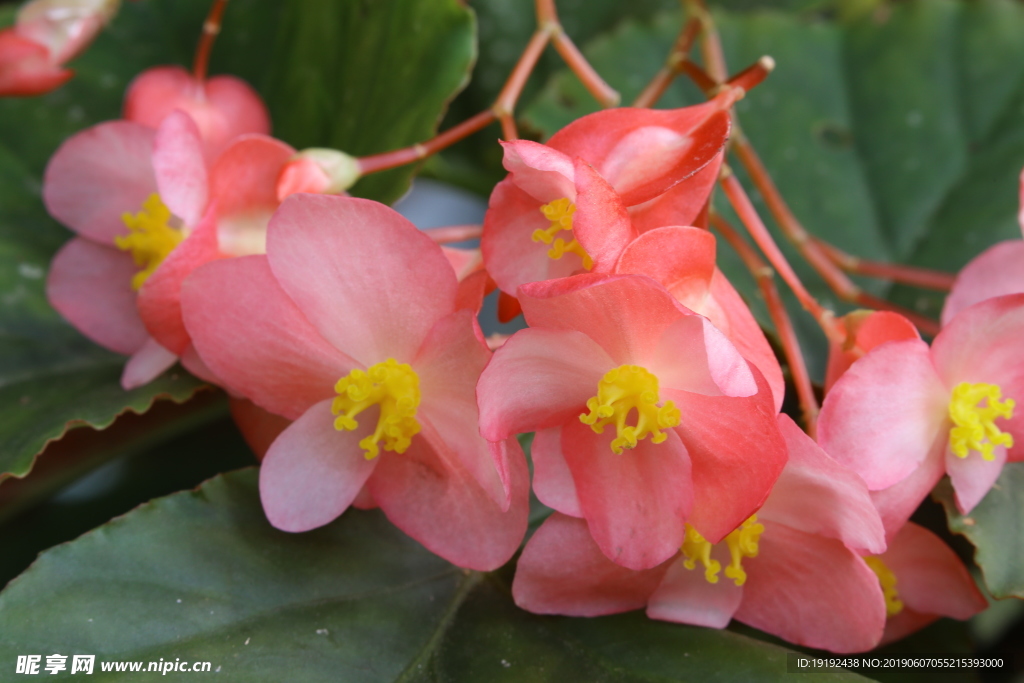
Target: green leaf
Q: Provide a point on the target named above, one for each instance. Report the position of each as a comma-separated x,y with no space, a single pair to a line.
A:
995,527
368,77
896,137
202,576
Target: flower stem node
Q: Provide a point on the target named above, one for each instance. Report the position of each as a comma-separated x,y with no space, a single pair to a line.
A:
975,427
560,213
150,237
621,390
392,385
742,542
893,604
319,171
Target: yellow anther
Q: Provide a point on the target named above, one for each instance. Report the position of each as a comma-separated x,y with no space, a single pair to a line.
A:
696,547
742,542
560,212
150,237
396,388
893,604
622,390
975,427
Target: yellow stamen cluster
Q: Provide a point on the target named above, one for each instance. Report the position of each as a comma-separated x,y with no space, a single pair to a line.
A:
392,385
742,542
975,427
893,604
622,390
150,237
560,212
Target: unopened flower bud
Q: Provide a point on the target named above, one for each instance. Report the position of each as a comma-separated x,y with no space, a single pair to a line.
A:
318,170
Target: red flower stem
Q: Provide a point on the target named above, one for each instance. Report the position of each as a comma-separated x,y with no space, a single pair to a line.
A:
505,104
907,275
678,56
455,233
606,95
711,46
406,155
211,27
755,226
764,275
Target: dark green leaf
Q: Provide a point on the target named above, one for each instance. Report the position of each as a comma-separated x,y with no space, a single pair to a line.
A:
202,576
995,527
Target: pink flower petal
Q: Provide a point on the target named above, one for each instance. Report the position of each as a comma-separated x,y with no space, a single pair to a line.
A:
539,378
883,416
437,502
540,171
996,271
146,364
180,168
930,578
98,175
812,591
243,182
973,476
26,68
255,338
897,503
681,259
223,107
259,427
552,478
313,472
644,152
686,597
817,495
865,330
601,223
510,254
90,285
159,299
562,571
736,452
364,276
636,504
692,355
449,365
625,314
680,205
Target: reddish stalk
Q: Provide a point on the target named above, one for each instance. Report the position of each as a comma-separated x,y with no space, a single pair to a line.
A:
455,233
780,318
211,27
677,57
755,226
907,275
400,157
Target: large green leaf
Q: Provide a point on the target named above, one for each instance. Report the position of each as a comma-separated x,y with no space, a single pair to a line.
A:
995,527
895,137
366,77
202,576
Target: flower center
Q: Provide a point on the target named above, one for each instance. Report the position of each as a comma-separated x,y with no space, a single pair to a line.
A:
622,390
893,604
396,388
742,542
975,428
560,212
150,237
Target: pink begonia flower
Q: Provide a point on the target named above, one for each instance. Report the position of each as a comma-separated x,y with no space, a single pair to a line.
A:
793,569
223,107
653,161
864,331
681,259
997,271
47,34
352,308
120,285
599,348
905,413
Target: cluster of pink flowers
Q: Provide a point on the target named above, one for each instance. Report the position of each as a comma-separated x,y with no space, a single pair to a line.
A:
653,394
